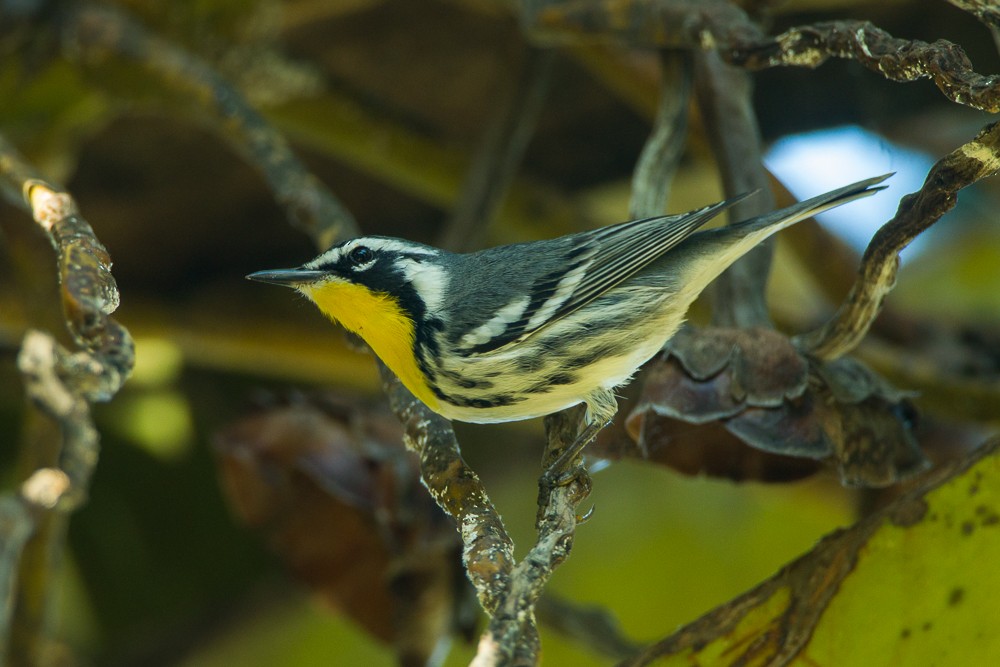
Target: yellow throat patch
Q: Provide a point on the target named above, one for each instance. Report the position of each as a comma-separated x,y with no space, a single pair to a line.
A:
380,321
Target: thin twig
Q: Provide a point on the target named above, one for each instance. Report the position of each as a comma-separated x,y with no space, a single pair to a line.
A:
720,26
725,96
512,635
498,158
52,494
88,290
96,32
986,11
587,625
662,152
962,167
896,59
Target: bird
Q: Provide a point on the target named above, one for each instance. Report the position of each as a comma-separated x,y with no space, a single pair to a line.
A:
524,330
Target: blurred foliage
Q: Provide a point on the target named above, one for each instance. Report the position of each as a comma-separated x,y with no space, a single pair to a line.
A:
387,101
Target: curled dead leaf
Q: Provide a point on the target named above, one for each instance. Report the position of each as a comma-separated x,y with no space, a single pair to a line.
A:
714,390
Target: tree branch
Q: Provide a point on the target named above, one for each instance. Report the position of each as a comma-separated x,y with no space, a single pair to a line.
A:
942,62
62,384
962,167
725,97
721,26
488,551
97,32
657,164
512,635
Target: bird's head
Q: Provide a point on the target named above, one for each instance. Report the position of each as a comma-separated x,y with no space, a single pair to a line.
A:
370,282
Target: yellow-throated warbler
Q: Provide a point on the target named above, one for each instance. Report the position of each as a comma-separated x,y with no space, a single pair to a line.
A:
524,330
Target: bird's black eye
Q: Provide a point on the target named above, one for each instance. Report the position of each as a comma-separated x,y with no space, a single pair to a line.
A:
361,255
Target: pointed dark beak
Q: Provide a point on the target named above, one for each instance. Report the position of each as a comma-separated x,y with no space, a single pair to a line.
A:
287,277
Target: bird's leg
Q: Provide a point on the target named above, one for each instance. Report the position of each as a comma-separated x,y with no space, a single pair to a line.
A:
561,471
601,409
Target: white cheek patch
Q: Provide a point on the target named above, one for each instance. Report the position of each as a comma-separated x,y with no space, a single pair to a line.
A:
497,324
429,280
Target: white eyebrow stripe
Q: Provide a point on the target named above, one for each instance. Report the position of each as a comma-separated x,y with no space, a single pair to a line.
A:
333,255
399,246
497,324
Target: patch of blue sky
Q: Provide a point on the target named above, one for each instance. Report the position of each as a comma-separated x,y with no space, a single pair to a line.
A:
815,162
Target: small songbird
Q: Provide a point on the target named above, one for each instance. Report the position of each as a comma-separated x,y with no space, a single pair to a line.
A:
524,330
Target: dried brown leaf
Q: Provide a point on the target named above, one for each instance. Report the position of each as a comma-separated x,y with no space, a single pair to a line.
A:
339,499
714,390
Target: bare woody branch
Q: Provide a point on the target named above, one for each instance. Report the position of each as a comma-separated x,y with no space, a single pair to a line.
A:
508,592
721,26
944,63
662,152
725,98
62,384
961,168
99,32
488,551
88,290
512,635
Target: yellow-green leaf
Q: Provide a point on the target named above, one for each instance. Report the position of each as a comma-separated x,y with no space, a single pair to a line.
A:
914,584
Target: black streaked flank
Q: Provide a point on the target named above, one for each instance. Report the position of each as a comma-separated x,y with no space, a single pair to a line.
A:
494,401
463,381
531,363
596,354
561,378
547,384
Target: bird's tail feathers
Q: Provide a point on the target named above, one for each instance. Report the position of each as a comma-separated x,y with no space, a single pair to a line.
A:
702,257
790,215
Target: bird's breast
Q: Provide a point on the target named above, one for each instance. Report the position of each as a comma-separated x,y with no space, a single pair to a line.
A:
382,323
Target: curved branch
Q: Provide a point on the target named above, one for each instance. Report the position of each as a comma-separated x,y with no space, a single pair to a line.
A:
718,25
962,167
512,635
97,31
62,384
896,59
662,152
